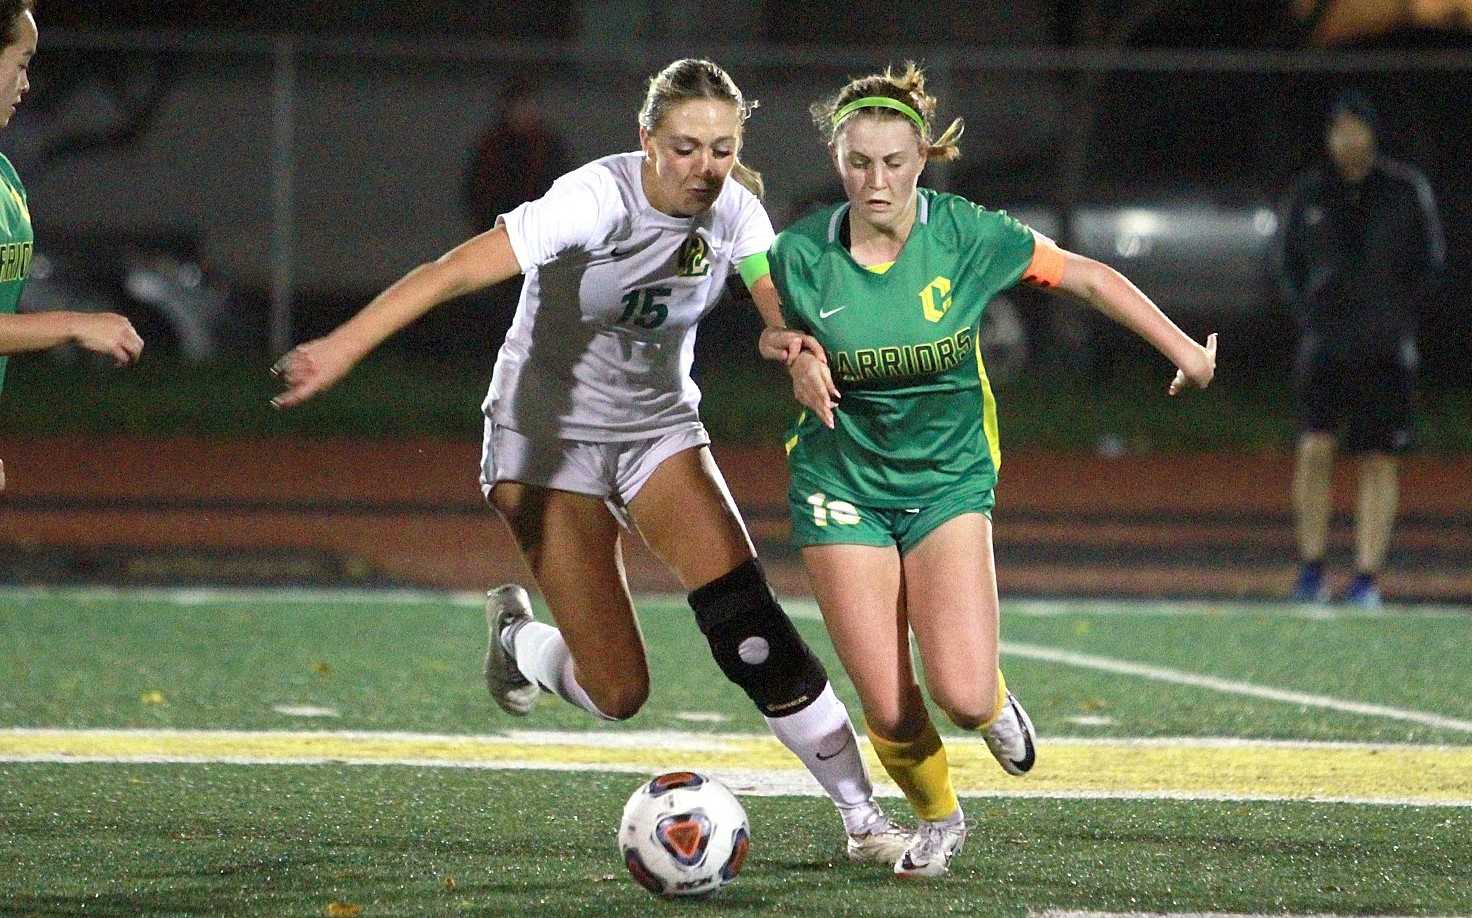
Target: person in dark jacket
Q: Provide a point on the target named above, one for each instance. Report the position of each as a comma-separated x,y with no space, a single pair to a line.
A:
1361,247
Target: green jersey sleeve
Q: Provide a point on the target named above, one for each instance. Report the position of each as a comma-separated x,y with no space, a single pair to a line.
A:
999,245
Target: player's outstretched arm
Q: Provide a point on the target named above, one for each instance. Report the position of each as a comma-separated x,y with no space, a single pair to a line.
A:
784,344
476,264
1112,294
100,332
812,386
104,333
777,341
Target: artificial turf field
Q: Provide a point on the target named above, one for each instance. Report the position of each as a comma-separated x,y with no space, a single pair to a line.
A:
274,754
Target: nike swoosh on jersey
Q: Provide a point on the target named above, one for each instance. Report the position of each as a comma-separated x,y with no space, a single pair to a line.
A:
825,313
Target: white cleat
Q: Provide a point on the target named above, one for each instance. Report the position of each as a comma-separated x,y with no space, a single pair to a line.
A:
930,851
507,605
1012,739
881,845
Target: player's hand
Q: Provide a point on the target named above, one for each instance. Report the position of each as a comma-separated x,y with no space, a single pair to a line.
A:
812,386
107,333
785,344
311,367
2,474
1201,371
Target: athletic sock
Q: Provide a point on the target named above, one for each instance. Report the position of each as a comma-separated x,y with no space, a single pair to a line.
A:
823,737
954,818
542,656
1001,703
920,768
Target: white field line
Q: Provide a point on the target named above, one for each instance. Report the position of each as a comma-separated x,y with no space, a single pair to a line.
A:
1046,608
641,745
678,740
798,607
806,609
236,596
1230,686
1188,608
766,783
1071,913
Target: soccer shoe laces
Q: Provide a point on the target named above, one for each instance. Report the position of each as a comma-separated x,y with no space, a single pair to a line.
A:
930,853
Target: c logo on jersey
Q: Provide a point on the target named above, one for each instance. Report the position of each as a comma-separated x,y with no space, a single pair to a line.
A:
935,299
693,259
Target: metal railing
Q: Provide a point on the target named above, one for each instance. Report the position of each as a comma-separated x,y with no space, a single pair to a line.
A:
350,149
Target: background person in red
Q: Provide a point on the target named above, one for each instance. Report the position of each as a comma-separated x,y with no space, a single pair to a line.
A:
516,158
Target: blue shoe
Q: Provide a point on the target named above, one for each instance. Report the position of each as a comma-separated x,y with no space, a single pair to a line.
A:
1311,587
1363,592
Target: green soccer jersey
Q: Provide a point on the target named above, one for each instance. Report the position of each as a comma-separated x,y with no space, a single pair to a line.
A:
917,416
16,241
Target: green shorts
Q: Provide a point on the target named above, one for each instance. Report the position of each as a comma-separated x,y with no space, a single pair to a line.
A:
820,520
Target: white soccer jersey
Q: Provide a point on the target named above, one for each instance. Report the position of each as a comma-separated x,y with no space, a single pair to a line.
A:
604,335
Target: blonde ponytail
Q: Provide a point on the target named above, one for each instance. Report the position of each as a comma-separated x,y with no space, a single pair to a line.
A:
749,178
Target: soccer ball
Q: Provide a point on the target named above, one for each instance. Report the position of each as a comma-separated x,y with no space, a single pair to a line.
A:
683,834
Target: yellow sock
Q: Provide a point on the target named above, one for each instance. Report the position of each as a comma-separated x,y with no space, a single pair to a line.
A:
920,769
1001,701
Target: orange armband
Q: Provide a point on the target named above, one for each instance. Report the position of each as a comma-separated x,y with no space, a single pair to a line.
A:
1046,267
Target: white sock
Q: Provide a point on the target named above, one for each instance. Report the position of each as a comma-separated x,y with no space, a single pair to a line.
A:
542,656
822,736
957,817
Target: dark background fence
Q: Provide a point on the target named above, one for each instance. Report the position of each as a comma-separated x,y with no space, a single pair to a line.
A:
240,176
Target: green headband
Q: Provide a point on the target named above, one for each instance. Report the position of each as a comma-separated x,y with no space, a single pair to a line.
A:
878,102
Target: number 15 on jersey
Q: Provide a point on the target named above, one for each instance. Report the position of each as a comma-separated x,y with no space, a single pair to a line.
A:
644,307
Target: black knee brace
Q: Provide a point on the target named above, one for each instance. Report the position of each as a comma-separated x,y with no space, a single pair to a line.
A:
754,642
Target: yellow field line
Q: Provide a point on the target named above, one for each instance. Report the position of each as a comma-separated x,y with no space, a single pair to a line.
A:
1185,768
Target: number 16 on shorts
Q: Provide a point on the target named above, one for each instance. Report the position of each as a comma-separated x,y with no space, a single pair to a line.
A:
840,512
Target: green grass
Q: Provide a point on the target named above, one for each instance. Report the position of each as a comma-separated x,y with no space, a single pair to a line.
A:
1345,658
390,396
123,839
89,662
271,840
386,397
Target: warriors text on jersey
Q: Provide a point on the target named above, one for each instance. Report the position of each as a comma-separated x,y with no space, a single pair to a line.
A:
16,242
917,415
604,334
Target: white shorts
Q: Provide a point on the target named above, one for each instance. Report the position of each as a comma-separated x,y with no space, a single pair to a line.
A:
614,470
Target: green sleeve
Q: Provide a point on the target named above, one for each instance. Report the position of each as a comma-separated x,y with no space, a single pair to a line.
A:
999,244
781,263
753,268
1012,247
